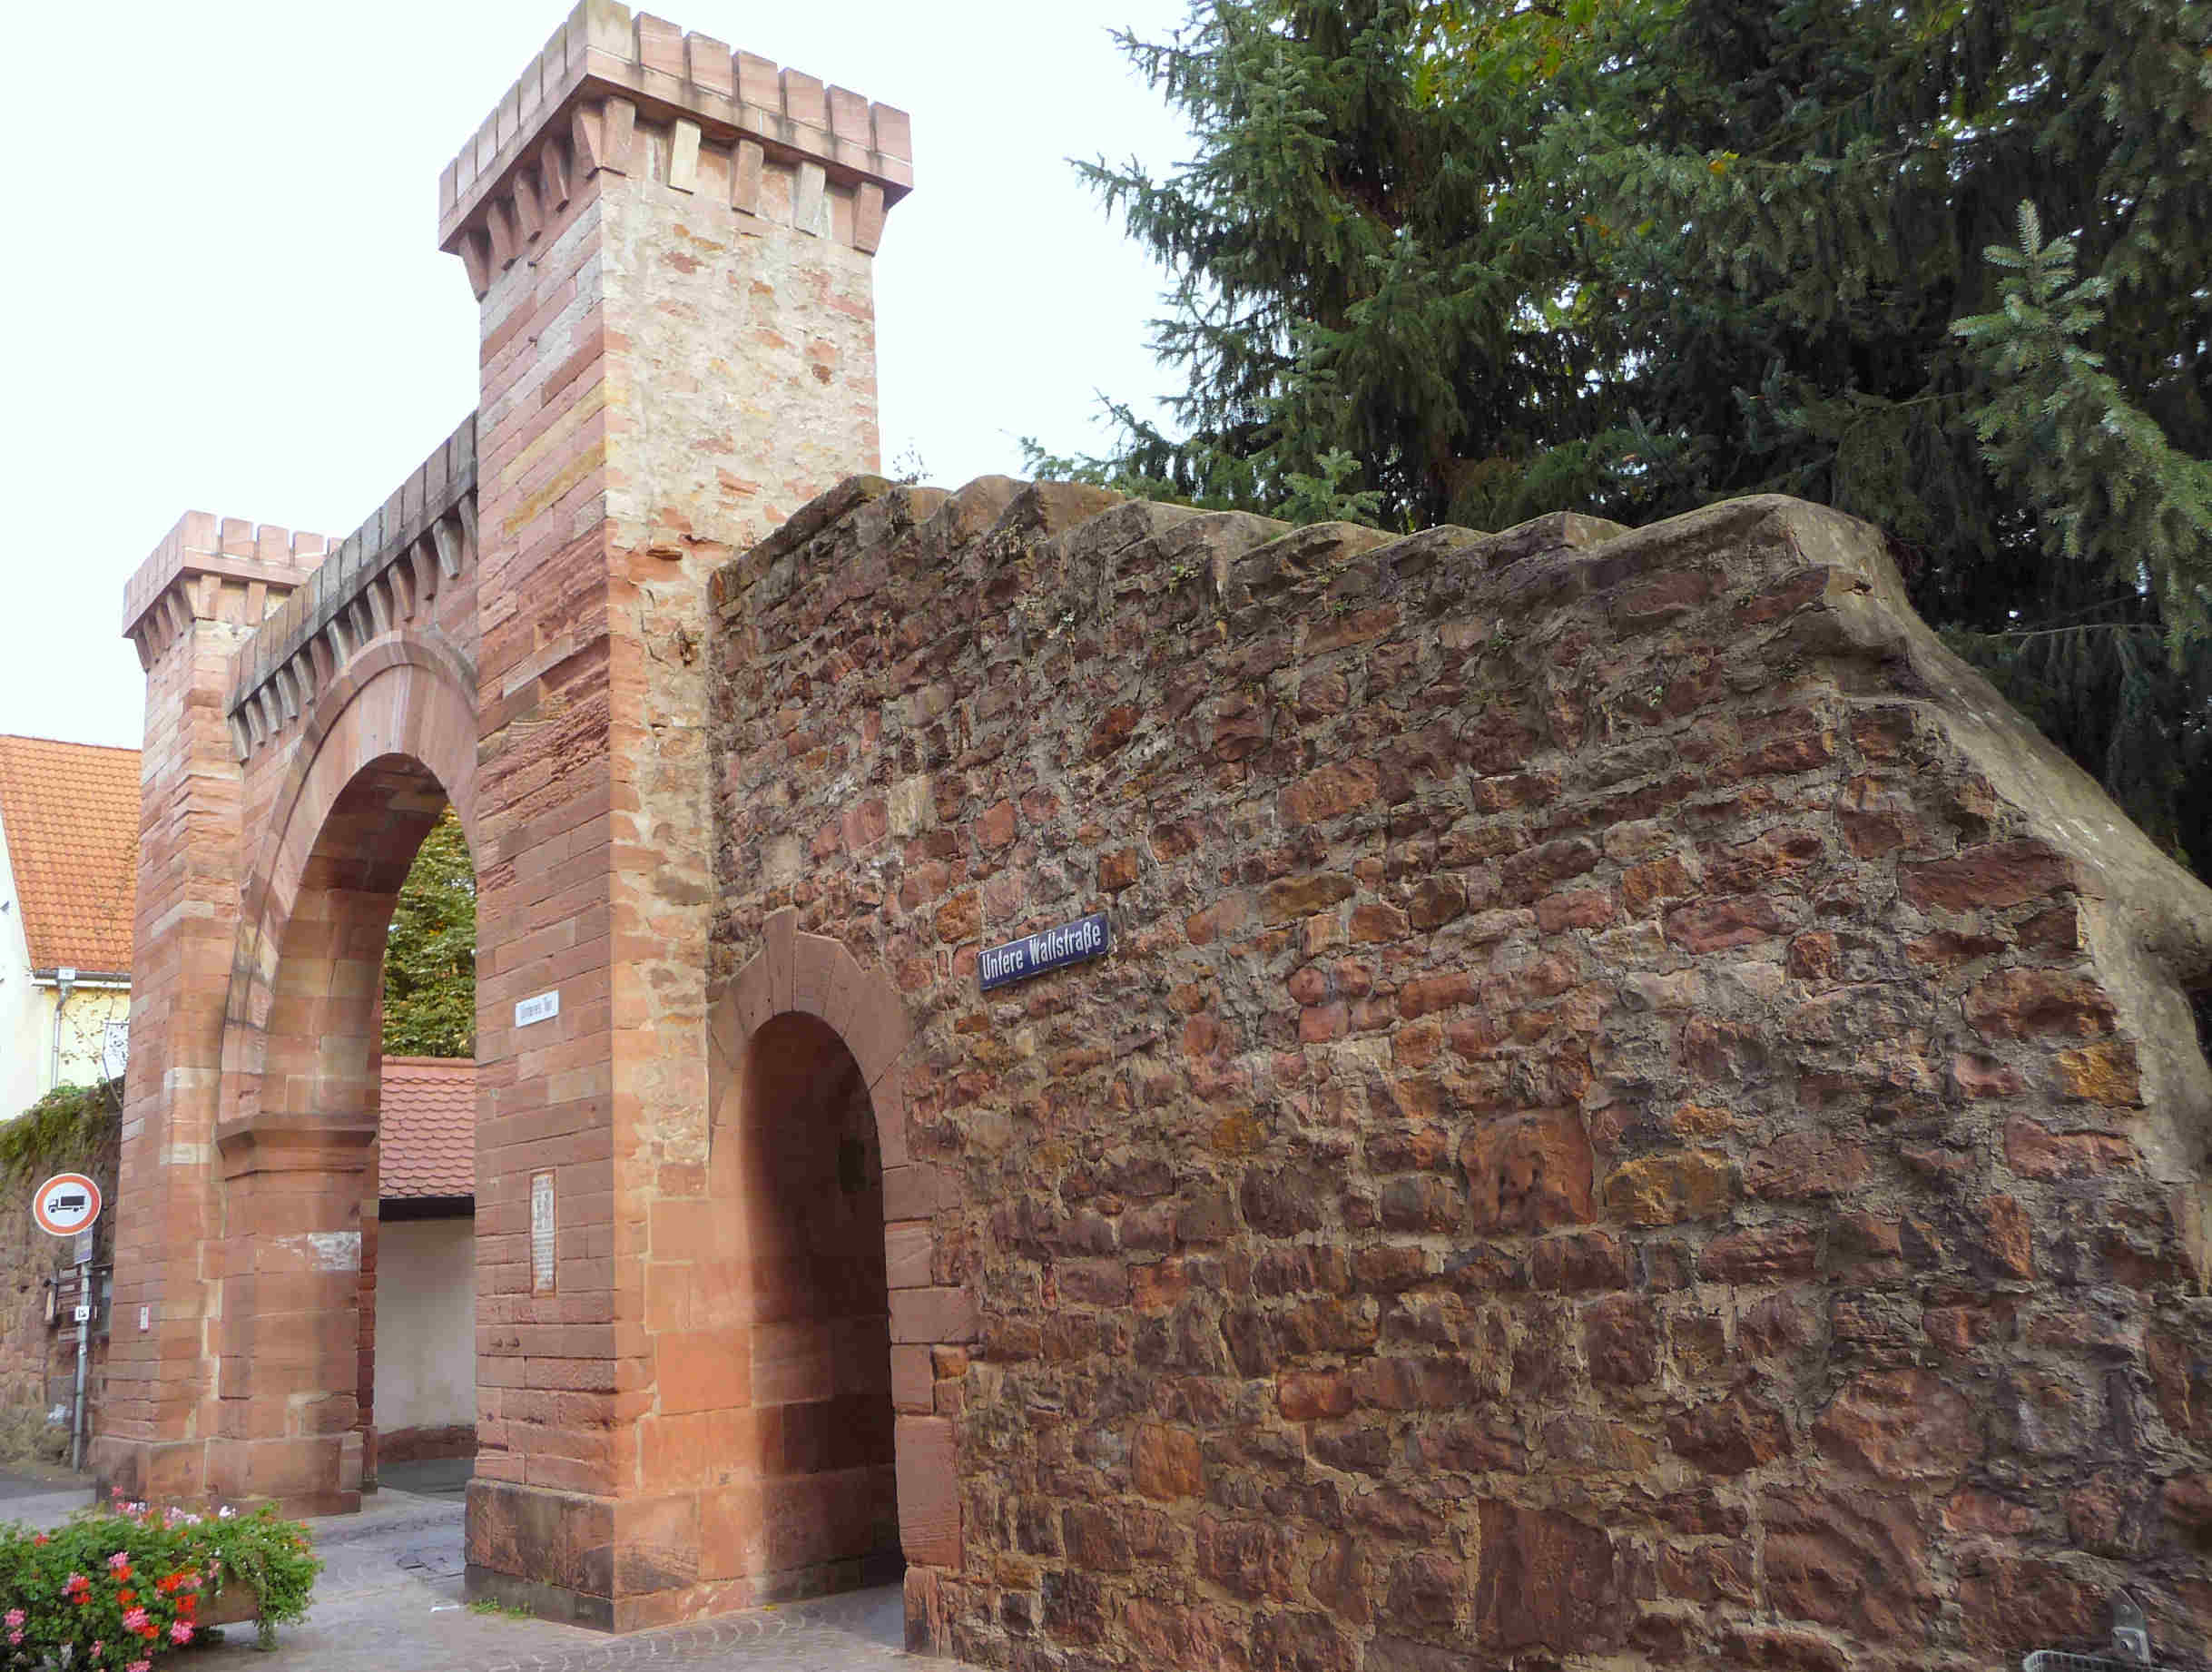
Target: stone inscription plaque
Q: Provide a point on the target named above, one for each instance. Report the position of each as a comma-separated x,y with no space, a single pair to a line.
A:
541,1233
1048,949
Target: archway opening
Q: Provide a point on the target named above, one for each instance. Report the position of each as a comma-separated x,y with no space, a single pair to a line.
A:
811,1181
305,1176
418,1310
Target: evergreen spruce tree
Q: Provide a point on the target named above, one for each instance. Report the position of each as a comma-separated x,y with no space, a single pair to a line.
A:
1365,309
1448,259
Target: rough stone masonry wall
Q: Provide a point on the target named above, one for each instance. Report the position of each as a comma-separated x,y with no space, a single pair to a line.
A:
1637,1115
38,1359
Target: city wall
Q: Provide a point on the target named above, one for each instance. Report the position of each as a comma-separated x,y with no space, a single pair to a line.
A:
1635,1109
1632,1114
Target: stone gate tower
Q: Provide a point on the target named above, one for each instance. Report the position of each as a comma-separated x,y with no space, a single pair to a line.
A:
671,243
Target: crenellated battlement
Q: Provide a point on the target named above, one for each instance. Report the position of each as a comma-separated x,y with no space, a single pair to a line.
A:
213,568
720,118
384,576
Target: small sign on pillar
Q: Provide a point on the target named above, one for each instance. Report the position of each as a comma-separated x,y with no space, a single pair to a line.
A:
541,1233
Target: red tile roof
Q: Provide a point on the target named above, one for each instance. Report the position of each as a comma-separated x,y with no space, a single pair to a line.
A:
69,813
427,1138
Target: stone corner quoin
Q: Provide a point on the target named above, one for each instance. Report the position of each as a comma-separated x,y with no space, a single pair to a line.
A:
1625,1110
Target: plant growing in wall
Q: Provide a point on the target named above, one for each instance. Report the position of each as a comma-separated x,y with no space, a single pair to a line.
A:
74,1127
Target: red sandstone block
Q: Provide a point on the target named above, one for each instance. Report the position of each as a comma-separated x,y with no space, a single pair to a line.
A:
929,1492
913,1380
894,132
915,1191
708,63
689,1450
752,999
849,117
779,949
732,1532
2033,1152
791,1364
289,1468
935,1314
877,1034
2026,1004
804,100
667,1304
569,1474
684,1230
888,1099
757,82
814,970
805,1521
909,1251
1994,876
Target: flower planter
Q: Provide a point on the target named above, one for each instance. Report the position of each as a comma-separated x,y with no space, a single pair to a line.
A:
234,1605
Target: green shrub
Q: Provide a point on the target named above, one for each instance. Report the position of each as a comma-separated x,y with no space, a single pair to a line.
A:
119,1588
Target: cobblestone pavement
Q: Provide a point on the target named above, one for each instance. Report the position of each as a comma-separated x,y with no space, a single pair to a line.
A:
44,1498
389,1600
33,1479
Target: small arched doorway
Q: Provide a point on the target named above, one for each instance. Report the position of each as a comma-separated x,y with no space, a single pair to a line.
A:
809,1184
827,1304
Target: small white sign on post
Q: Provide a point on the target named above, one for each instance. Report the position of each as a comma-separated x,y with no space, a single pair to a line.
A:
538,1008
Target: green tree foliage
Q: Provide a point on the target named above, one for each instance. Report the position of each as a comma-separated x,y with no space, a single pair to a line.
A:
1452,259
430,953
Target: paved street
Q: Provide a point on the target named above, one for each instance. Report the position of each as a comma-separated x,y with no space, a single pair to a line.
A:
389,1600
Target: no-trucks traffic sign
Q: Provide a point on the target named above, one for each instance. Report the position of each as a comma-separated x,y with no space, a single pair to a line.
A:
65,1204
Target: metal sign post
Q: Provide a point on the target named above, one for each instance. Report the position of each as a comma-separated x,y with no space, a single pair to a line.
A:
84,1325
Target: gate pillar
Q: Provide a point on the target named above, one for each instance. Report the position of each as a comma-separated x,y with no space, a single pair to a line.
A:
188,609
672,246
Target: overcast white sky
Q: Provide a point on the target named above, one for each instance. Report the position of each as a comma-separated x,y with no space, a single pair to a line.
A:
225,292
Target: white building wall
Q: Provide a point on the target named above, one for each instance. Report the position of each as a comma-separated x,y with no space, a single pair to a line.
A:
425,1324
24,1020
26,1015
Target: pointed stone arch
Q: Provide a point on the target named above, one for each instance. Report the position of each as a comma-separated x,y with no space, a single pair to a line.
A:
797,973
387,744
815,976
405,695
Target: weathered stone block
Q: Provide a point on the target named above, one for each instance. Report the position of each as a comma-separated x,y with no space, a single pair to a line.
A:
1529,1173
